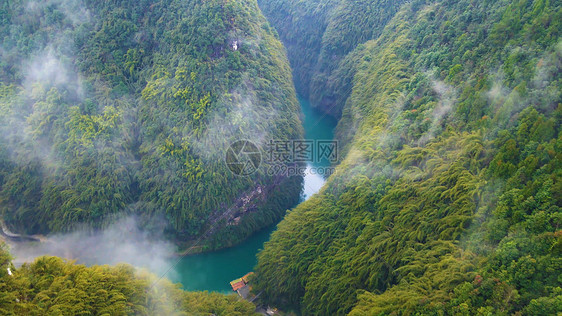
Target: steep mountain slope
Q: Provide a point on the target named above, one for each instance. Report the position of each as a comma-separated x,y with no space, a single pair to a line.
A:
320,36
51,286
449,198
128,107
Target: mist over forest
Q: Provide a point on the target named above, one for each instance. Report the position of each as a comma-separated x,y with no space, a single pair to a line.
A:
127,127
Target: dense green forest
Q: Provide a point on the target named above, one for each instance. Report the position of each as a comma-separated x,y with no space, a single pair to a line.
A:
52,286
449,199
128,107
321,36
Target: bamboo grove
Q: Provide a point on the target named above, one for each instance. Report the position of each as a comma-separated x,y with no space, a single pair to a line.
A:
127,107
52,286
448,200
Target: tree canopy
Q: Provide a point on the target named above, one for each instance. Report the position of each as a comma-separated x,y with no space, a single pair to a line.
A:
129,107
53,286
448,200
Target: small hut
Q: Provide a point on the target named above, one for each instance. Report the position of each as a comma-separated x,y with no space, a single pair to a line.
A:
241,282
237,284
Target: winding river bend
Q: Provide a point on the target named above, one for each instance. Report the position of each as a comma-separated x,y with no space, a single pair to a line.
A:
214,270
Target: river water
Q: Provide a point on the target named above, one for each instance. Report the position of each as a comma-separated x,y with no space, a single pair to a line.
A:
213,271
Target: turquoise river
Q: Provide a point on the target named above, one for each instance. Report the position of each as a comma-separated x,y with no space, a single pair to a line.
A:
213,271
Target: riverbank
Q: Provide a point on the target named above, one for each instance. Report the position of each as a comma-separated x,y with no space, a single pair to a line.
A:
213,271
8,236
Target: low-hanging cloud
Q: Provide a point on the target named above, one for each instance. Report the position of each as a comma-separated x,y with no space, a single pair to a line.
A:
124,241
47,69
447,98
74,10
243,120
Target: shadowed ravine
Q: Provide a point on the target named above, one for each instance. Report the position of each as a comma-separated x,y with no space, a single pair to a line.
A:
210,271
213,271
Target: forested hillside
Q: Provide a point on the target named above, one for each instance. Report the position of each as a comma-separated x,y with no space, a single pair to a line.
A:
128,107
449,198
320,36
51,286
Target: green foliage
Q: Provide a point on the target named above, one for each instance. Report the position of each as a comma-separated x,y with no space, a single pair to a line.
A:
130,107
448,200
52,286
321,37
